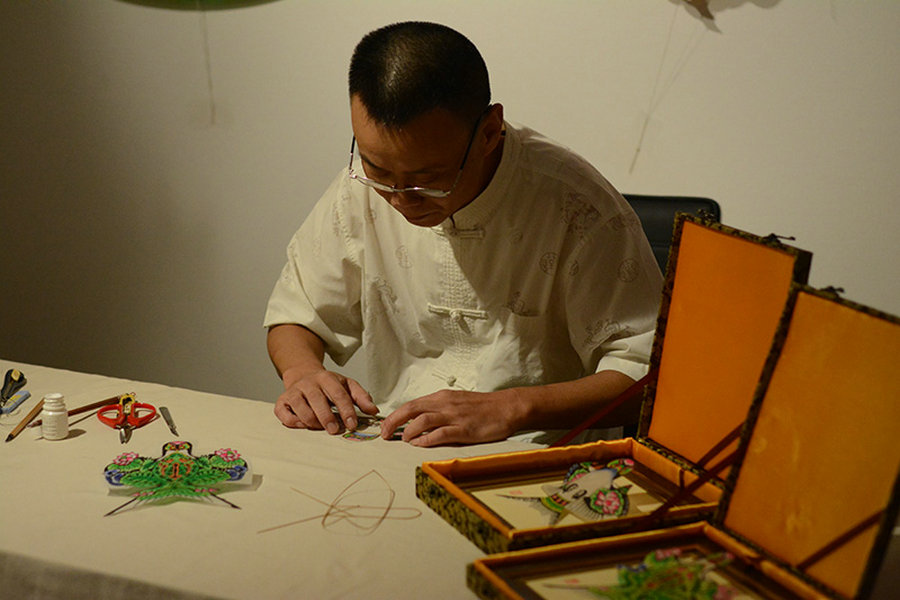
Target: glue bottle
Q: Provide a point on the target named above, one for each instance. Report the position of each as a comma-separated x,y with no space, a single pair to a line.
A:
54,418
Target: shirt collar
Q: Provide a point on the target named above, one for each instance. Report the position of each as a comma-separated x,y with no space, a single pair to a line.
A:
477,212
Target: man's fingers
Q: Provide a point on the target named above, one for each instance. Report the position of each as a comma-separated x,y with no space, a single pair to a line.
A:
438,437
325,400
338,392
286,415
421,424
361,397
310,406
329,419
295,413
411,421
447,417
396,419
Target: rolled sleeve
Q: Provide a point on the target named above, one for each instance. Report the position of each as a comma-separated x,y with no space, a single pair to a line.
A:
321,295
628,355
614,311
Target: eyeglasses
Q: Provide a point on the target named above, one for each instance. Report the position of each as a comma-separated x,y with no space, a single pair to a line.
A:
421,191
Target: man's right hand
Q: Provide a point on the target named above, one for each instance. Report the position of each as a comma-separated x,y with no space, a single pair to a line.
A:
312,394
307,403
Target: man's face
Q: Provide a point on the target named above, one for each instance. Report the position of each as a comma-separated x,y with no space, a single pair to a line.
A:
426,152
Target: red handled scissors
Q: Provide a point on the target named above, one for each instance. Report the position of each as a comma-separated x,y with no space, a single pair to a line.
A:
126,415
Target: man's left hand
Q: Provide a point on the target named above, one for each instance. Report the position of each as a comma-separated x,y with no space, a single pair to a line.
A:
455,417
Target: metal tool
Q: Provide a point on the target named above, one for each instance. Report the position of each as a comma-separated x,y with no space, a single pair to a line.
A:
164,411
12,383
14,402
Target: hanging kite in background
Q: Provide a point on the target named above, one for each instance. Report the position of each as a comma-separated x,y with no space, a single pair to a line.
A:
702,7
176,474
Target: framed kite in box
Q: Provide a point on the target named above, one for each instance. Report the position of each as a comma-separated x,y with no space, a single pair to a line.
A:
724,296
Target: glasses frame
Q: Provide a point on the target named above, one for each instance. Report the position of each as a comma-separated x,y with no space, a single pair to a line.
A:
421,191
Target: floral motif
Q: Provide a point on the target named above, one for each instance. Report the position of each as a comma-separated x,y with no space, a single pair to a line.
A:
126,458
548,262
227,454
403,258
609,503
579,214
629,270
664,553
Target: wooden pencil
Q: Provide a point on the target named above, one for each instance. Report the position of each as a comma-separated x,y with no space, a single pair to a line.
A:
34,411
85,408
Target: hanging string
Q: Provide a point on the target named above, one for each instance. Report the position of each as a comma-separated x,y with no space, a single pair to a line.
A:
660,91
204,30
682,61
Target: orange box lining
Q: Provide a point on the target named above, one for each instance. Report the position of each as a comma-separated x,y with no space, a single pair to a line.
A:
708,375
790,465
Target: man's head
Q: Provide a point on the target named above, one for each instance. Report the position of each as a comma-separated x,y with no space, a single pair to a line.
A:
421,116
404,70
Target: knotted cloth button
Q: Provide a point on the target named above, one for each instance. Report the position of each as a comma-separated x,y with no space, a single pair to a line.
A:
458,315
451,380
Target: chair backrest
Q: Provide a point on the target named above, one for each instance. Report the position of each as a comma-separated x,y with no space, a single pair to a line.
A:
657,215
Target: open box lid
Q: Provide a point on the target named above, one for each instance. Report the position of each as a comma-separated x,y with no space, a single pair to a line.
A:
817,488
725,293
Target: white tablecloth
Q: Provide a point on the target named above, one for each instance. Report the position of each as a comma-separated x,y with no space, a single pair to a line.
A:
55,541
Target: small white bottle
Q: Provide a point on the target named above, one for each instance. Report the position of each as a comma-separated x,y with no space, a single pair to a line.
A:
54,418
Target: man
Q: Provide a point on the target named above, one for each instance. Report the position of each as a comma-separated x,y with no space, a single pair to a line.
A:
497,282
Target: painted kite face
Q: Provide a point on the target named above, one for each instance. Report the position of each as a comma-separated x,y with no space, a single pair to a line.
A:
185,447
584,484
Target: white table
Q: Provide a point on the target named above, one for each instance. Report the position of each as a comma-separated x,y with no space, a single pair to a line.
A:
55,541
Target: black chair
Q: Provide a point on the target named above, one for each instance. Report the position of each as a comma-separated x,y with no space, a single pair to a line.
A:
657,215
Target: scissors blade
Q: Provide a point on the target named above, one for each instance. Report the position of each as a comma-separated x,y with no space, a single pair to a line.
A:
125,434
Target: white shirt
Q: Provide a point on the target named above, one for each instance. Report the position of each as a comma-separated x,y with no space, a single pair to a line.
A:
545,277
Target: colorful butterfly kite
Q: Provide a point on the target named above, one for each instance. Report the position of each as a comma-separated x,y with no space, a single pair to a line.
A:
176,474
587,491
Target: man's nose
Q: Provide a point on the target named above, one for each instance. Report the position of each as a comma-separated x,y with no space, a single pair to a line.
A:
403,199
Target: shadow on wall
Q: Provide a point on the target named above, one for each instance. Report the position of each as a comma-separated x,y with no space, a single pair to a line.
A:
96,241
706,10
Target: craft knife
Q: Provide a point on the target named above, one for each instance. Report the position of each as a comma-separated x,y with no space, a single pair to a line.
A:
164,411
12,383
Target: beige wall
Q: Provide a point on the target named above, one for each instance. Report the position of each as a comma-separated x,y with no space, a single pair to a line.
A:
141,239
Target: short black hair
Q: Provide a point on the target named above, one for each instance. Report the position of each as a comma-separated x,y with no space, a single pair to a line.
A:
404,70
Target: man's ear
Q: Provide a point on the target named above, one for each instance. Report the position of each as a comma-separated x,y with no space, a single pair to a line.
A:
493,127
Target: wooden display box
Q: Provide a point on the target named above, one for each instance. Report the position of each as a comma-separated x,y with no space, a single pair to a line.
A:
725,293
811,506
